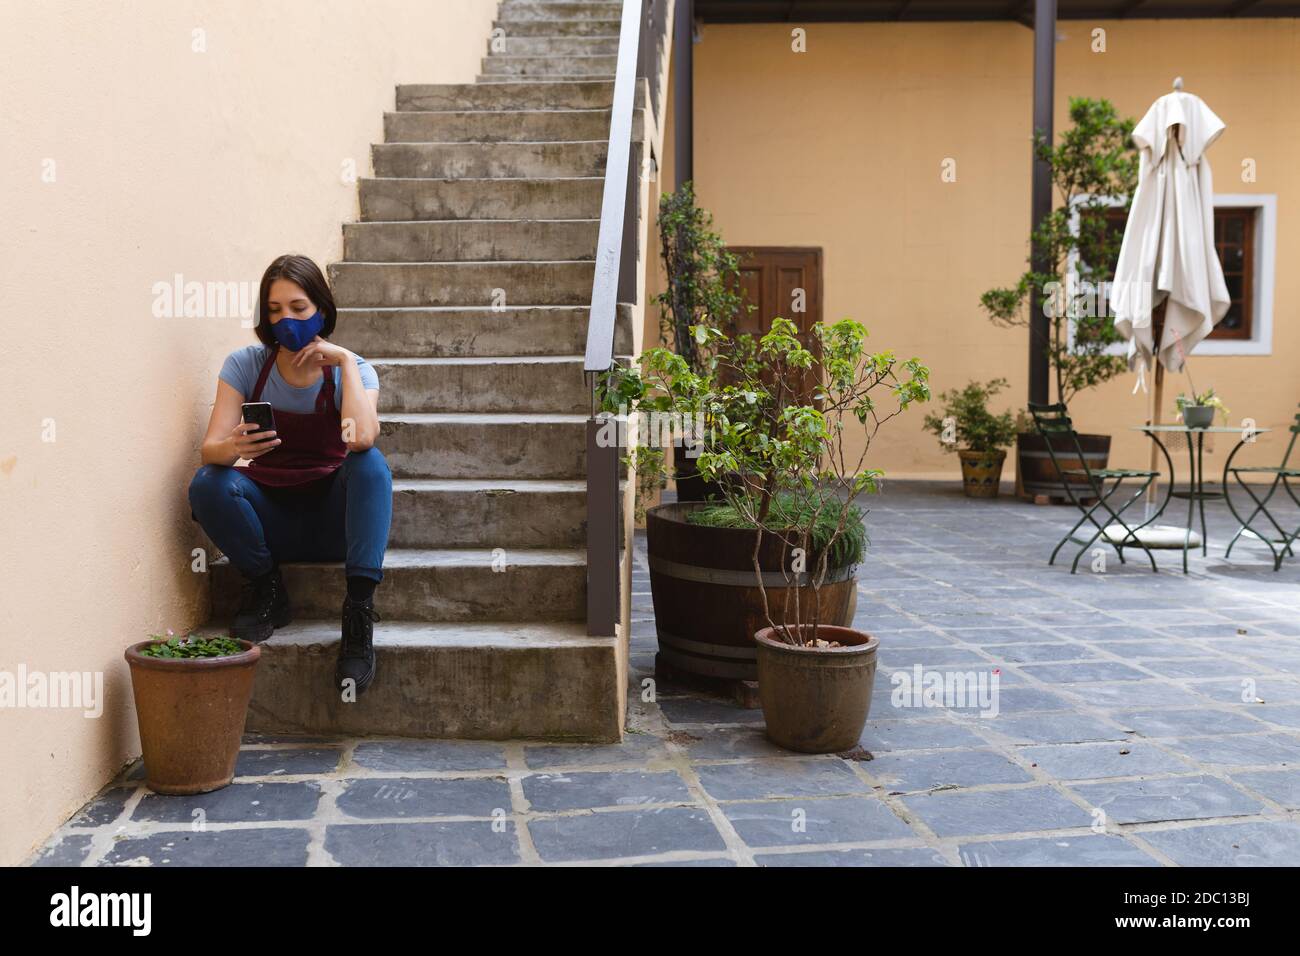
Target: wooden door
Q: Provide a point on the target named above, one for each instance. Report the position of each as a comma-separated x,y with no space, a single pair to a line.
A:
783,281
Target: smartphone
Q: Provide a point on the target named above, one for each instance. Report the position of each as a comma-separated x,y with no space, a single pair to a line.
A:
259,413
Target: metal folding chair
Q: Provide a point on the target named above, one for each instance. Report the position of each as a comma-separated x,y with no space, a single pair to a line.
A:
1053,423
1282,476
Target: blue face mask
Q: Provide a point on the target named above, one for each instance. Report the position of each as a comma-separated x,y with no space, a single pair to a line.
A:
293,334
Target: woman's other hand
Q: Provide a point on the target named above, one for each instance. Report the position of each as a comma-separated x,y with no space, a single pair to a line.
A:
319,352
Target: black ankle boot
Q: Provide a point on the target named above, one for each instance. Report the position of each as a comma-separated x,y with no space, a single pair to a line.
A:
263,608
357,647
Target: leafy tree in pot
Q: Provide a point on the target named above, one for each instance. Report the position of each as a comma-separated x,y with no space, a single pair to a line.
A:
1094,164
702,277
784,467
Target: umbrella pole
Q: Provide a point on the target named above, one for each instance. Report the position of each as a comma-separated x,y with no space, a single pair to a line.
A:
1153,418
1157,398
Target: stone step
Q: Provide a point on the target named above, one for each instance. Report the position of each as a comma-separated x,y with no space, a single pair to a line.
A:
480,330
511,95
495,126
486,79
498,65
470,513
554,46
490,681
453,584
484,445
585,27
394,284
516,10
489,160
498,384
397,200
475,240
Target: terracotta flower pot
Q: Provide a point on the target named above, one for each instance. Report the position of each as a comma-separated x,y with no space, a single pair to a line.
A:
981,472
191,716
816,699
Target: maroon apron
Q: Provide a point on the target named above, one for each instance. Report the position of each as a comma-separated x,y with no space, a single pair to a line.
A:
311,444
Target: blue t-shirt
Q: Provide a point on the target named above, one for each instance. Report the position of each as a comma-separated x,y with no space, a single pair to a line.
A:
242,367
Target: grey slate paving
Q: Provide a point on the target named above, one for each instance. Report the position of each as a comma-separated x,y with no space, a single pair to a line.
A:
103,809
237,803
909,772
1093,850
767,823
1090,665
1167,798
905,856
263,846
586,789
1280,786
1090,761
281,761
1266,843
612,834
779,778
996,811
380,797
455,843
399,756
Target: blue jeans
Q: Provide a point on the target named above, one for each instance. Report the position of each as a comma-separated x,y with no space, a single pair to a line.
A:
344,517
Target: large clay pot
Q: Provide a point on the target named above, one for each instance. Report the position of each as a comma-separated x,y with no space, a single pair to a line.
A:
191,716
981,472
706,599
1038,476
816,699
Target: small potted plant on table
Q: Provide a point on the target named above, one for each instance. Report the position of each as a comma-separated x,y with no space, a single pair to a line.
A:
191,700
1198,410
965,425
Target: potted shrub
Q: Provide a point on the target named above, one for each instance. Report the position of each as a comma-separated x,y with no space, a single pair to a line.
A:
965,425
1094,170
702,278
1198,410
191,699
776,556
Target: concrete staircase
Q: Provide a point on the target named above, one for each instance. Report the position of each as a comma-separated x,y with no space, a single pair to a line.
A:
466,283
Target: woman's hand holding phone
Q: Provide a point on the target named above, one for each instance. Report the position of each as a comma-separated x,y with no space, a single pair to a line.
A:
250,446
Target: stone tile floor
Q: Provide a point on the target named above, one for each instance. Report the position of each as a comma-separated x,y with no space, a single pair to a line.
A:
1142,719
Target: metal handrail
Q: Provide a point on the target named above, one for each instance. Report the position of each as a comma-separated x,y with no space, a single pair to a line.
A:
615,274
613,204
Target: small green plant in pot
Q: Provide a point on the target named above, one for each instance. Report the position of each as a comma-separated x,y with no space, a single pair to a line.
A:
191,701
1198,409
965,425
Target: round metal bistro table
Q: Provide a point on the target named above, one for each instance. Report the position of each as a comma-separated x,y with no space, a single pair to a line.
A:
1195,495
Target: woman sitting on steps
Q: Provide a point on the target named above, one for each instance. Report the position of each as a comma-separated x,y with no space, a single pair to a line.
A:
315,488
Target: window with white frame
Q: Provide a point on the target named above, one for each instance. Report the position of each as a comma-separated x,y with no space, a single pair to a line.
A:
1245,236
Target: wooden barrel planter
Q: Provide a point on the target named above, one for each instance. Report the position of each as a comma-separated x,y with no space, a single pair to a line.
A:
707,603
1038,476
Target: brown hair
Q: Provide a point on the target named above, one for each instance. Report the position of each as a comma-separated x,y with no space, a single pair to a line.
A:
306,274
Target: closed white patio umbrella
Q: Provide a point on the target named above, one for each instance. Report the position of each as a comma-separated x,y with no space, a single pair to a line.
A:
1168,256
1168,265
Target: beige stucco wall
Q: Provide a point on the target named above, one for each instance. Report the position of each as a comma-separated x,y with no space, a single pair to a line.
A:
165,161
841,147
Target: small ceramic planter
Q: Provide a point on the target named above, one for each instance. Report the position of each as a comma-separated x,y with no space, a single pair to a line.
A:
1198,416
191,716
816,699
981,472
